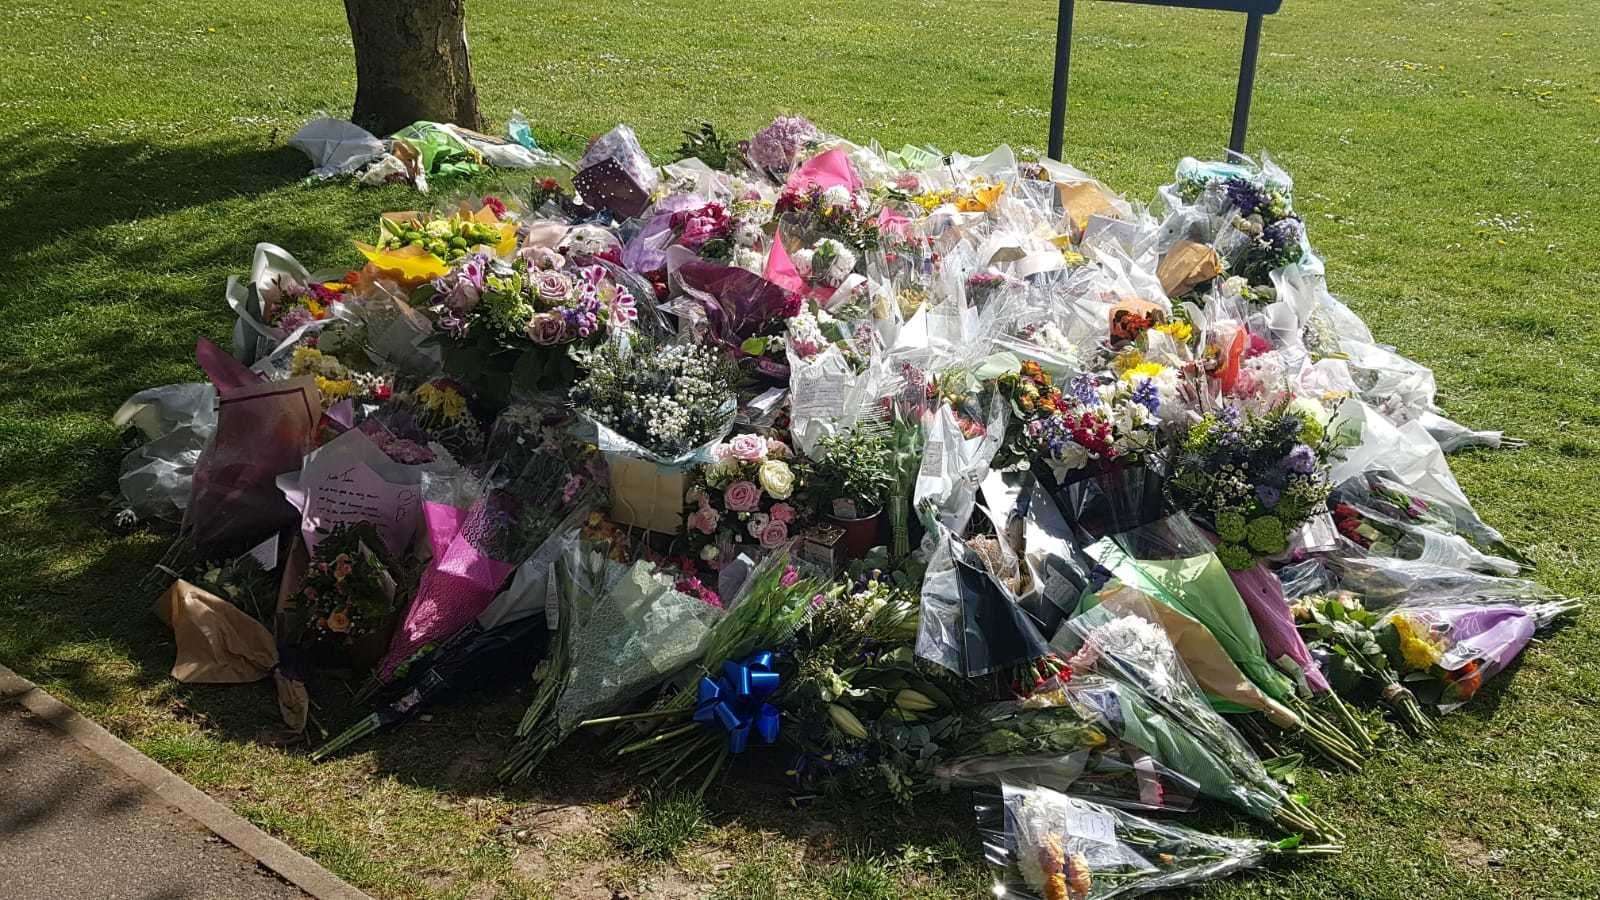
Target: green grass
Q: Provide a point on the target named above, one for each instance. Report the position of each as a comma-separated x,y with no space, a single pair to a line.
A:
1444,153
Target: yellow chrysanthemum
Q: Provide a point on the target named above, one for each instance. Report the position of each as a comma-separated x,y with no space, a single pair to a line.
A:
445,402
335,389
1143,370
1417,649
1178,331
305,360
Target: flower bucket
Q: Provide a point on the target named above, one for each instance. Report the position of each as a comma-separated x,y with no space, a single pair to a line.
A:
645,494
860,535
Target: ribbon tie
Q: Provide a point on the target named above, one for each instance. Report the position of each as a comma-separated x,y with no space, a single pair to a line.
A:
736,701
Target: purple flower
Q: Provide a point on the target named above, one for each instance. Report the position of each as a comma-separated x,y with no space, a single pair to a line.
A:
1268,495
1245,196
1302,460
1083,390
775,147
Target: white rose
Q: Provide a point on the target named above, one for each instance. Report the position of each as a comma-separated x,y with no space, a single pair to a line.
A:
777,479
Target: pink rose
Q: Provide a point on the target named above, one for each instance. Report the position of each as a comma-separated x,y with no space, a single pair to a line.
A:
748,447
741,496
704,520
782,512
722,452
757,524
547,329
774,535
552,287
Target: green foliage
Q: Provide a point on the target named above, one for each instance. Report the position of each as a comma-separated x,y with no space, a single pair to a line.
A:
854,466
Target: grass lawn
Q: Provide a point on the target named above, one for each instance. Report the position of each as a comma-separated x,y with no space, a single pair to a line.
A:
1444,152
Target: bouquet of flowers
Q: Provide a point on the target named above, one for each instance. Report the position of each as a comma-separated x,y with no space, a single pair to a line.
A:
1254,478
288,304
1049,846
663,401
743,498
695,731
1383,516
348,592
865,711
448,238
1344,631
1453,649
1127,676
623,630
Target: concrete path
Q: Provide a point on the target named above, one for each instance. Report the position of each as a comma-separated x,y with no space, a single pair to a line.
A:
84,815
72,826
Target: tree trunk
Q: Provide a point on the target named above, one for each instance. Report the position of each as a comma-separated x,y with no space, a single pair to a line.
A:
411,64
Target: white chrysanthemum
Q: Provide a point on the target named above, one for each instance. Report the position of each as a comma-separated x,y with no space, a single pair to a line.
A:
1141,644
836,196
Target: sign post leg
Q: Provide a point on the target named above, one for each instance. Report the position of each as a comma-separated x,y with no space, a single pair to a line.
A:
1058,90
1247,81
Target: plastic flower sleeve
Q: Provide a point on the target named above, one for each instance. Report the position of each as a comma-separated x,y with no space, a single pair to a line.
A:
1115,773
1049,846
177,421
970,622
1387,517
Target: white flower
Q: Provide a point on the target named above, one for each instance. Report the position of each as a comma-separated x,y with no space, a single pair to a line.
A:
746,233
836,196
438,228
1142,645
777,479
1311,408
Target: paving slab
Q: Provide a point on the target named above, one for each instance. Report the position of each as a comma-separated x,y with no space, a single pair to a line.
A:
72,825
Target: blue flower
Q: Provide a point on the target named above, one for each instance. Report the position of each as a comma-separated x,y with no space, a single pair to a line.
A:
1148,395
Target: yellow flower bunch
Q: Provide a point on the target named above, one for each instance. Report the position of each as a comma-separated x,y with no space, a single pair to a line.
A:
932,200
1178,331
1131,365
335,389
442,401
1417,648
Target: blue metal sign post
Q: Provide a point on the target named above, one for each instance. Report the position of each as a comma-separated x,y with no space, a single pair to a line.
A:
1254,11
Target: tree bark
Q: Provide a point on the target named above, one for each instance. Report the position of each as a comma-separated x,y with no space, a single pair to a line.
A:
411,64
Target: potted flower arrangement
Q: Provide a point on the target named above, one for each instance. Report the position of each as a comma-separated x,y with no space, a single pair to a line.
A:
848,482
655,411
742,499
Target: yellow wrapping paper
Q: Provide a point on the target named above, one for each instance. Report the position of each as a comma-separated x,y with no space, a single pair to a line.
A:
1082,200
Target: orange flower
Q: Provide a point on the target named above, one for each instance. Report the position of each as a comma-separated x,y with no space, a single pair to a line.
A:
338,621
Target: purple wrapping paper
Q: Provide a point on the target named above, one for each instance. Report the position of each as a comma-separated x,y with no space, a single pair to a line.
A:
1263,596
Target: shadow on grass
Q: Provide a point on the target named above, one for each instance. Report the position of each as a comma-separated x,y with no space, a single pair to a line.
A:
68,187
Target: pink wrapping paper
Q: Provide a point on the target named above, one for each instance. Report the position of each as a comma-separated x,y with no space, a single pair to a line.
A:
1263,596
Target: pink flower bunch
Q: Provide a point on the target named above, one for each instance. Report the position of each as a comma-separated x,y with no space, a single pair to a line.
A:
776,146
697,226
742,497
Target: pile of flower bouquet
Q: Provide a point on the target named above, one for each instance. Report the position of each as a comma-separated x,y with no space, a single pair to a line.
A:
887,470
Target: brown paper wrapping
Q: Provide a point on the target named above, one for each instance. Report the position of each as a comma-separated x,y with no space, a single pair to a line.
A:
218,643
1082,200
1187,264
646,495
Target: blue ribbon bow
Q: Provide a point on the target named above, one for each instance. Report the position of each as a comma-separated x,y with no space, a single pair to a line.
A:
737,700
